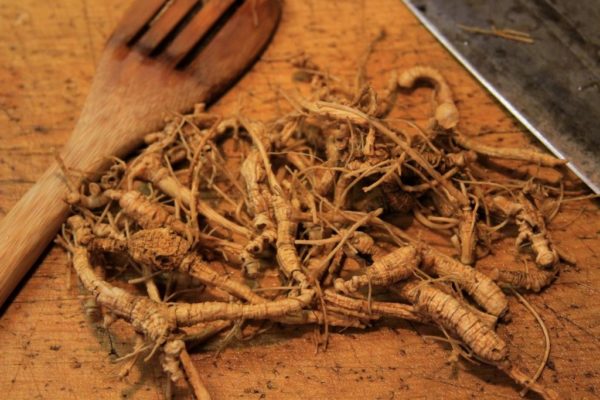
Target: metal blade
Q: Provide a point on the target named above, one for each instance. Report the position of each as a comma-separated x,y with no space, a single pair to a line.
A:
551,86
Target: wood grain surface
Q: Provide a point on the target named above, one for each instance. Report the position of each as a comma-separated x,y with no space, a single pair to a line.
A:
51,350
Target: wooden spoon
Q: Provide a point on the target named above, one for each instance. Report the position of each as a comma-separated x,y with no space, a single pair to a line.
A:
165,55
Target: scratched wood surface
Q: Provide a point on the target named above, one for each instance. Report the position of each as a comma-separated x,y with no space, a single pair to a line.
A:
50,350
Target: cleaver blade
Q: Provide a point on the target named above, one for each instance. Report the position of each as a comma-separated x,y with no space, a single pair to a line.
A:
551,86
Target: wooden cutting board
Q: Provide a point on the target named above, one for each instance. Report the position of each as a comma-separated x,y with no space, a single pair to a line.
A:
50,350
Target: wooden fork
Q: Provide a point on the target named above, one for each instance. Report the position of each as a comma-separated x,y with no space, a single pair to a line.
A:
165,55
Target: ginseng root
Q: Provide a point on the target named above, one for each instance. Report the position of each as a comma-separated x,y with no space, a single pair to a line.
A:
448,312
379,308
532,228
534,280
531,156
158,320
307,219
147,213
391,268
446,113
478,285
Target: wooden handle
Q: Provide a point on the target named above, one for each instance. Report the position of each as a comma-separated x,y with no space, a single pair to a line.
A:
32,224
113,121
28,228
105,128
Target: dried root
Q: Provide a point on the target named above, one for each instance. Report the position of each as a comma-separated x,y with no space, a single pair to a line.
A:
534,280
532,156
482,288
212,211
447,311
378,308
94,200
147,317
147,214
391,268
446,113
466,235
532,228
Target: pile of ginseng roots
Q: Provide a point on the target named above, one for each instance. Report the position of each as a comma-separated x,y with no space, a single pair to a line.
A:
220,223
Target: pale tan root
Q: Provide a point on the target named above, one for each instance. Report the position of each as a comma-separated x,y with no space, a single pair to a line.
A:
229,251
96,199
112,177
482,288
134,356
325,177
343,113
200,391
160,248
531,156
146,213
378,308
252,170
190,314
319,263
82,230
107,231
149,168
145,315
163,249
365,244
532,228
158,320
423,187
436,226
334,268
506,206
287,255
317,317
349,313
151,288
391,268
488,319
446,113
107,245
202,271
467,235
546,355
450,314
335,255
546,254
171,359
510,34
531,279
251,264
